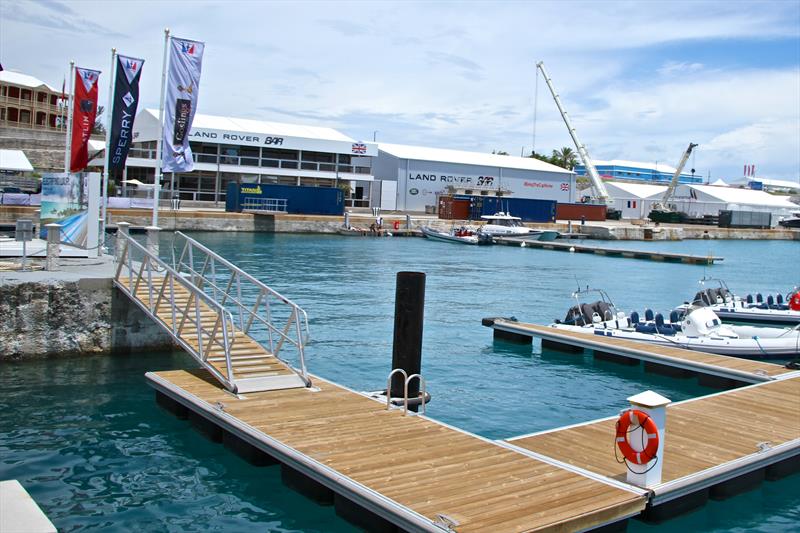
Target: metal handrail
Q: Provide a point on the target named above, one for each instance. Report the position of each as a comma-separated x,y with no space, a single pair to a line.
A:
227,288
422,394
131,274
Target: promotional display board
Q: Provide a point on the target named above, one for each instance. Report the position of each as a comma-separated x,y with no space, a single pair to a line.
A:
67,200
183,87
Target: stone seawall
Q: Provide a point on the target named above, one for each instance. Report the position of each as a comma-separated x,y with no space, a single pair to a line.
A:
61,314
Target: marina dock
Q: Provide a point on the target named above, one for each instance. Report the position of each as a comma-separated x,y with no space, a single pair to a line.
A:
614,252
715,446
674,361
409,471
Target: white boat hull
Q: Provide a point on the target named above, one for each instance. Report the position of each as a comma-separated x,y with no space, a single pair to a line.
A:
787,345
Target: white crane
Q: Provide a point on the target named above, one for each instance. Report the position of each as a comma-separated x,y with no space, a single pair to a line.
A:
662,205
599,188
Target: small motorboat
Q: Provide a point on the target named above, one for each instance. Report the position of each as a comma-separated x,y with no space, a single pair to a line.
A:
698,329
772,310
461,235
502,224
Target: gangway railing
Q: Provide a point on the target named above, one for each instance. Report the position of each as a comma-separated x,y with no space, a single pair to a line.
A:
177,305
200,300
259,311
267,205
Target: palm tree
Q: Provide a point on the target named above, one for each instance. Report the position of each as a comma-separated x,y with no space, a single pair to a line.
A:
564,158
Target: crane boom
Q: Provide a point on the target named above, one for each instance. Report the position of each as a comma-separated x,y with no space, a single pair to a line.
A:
597,184
675,177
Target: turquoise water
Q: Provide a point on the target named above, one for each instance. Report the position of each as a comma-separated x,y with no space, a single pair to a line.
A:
85,438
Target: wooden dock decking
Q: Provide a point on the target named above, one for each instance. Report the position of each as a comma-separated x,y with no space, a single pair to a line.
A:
746,370
410,468
747,427
606,250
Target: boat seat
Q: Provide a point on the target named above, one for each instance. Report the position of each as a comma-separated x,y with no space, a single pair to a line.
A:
587,310
643,327
749,298
604,310
759,298
648,315
779,299
770,301
635,317
674,317
712,296
662,328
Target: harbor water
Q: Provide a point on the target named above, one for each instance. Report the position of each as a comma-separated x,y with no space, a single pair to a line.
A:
84,435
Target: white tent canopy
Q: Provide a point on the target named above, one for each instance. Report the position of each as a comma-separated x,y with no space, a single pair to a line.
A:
699,200
14,161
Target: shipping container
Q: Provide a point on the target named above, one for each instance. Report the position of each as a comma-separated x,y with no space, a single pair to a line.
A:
745,219
298,200
451,208
591,212
529,210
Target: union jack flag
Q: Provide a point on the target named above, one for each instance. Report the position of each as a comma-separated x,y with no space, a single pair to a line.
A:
359,148
565,186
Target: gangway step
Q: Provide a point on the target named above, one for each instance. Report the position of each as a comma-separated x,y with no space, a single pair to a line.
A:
257,384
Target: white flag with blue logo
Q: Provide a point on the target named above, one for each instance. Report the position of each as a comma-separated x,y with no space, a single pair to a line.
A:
185,63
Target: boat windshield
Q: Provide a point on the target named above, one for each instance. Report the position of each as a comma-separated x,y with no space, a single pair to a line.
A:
509,222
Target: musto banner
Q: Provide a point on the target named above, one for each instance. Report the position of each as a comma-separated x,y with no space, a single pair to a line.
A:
62,204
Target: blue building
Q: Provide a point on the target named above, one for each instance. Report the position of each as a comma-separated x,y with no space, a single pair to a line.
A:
636,171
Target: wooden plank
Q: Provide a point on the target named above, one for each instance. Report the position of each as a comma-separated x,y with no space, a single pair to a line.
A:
700,434
417,462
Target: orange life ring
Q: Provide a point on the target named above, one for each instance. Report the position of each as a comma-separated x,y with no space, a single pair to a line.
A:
794,301
651,436
396,224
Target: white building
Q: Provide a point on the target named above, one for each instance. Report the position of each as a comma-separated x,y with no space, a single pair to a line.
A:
414,176
635,200
227,149
769,185
699,200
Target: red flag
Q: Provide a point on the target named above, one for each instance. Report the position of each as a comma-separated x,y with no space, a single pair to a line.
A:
84,112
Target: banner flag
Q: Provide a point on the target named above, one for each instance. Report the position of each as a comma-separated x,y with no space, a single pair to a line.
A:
124,104
84,112
185,63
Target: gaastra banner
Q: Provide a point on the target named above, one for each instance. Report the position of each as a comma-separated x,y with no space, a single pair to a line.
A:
125,102
185,63
84,112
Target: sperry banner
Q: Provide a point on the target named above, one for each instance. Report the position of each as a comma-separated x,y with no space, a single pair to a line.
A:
185,63
84,112
125,102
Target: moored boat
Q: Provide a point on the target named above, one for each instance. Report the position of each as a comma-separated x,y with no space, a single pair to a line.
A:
460,235
698,329
772,310
503,224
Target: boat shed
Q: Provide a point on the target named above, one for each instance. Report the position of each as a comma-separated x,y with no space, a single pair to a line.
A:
635,200
413,177
700,200
240,150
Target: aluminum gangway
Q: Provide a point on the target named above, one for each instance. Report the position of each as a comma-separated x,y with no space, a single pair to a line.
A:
242,331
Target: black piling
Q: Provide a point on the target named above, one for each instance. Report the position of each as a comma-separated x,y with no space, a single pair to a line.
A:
409,307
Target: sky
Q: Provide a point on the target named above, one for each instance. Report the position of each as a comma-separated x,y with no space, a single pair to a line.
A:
640,80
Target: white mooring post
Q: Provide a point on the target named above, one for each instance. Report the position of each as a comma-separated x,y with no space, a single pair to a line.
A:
124,229
53,247
152,239
655,406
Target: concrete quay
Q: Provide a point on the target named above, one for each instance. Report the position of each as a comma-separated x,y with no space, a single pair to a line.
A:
216,219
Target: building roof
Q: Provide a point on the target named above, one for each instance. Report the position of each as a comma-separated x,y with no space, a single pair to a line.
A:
422,153
639,190
733,195
24,80
14,160
658,167
770,182
261,127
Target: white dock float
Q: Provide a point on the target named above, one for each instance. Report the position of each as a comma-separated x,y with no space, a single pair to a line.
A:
19,513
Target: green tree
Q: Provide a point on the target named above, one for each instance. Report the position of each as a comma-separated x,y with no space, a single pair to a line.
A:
499,152
565,158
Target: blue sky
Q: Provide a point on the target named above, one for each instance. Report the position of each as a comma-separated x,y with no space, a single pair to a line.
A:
639,79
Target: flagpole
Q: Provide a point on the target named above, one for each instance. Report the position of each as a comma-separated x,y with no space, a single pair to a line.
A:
159,142
68,154
106,163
